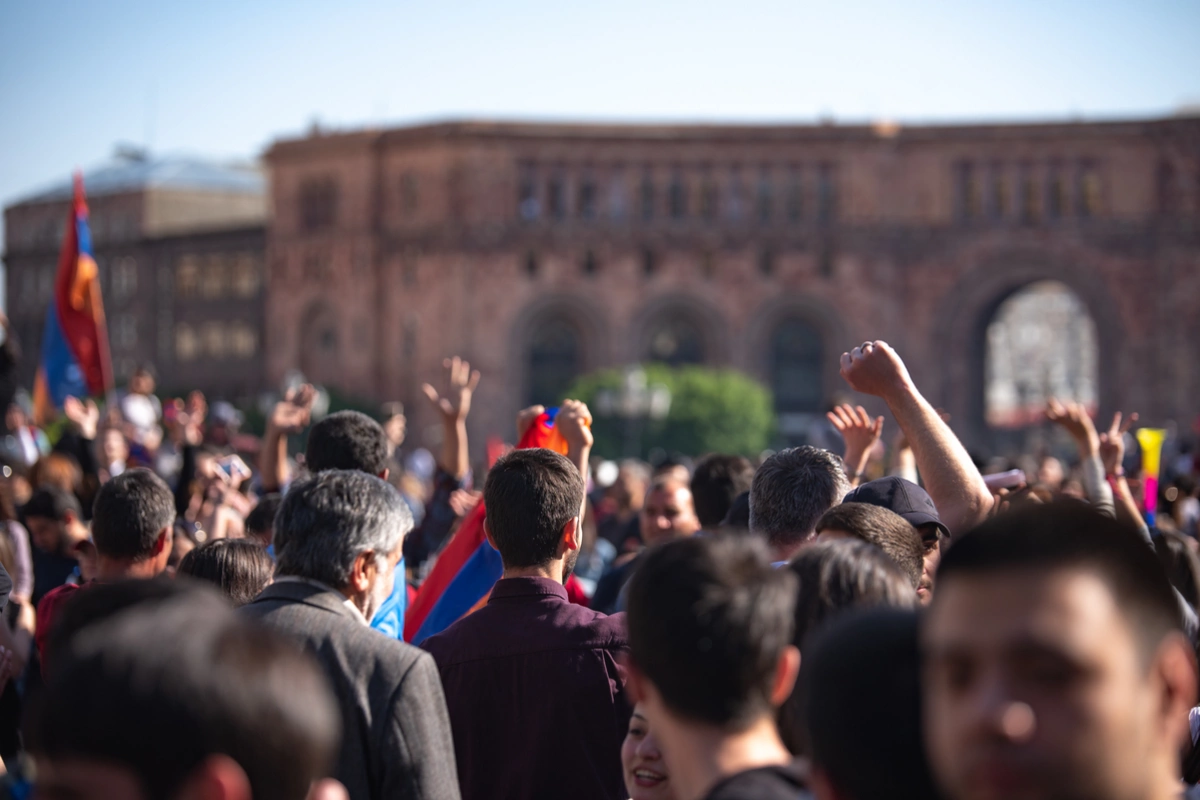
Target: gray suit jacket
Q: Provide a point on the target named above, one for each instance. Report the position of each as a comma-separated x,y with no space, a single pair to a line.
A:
396,740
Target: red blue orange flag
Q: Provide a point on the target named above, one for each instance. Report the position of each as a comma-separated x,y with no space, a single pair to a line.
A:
75,359
468,567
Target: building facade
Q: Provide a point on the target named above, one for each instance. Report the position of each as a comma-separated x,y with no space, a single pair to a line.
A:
543,251
180,245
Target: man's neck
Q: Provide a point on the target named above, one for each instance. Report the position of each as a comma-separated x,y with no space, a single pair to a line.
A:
787,551
703,755
553,571
115,569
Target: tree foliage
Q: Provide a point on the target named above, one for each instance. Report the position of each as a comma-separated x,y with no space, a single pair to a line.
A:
712,411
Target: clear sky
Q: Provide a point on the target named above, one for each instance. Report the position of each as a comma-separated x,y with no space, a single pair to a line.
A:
224,79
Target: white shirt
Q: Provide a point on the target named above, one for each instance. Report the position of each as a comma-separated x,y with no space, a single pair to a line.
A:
346,602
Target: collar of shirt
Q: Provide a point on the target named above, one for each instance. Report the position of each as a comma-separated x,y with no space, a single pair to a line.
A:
346,602
527,587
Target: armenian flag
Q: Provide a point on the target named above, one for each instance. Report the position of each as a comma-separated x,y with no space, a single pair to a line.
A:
461,581
1151,441
75,360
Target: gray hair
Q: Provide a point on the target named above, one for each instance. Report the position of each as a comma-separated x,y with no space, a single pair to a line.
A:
328,520
792,490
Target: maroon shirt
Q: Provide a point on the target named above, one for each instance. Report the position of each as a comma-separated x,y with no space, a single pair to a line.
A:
535,695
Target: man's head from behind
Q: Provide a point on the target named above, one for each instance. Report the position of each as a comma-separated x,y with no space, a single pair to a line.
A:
533,499
347,440
345,529
669,512
716,482
133,520
1055,666
791,490
916,506
710,625
878,526
174,696
859,680
54,520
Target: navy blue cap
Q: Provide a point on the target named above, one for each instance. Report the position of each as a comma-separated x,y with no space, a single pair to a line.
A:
903,497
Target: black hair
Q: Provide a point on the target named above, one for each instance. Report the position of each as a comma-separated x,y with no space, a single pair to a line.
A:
708,618
1066,536
261,520
737,520
858,678
241,569
53,503
716,482
530,495
130,512
347,440
791,490
159,687
1180,563
885,529
843,574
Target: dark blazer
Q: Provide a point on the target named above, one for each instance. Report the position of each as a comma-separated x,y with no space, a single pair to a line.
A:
396,740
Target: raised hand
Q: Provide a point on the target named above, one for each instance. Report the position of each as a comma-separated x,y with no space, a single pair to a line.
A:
293,413
525,418
574,422
859,431
461,382
85,416
1074,419
1112,443
874,368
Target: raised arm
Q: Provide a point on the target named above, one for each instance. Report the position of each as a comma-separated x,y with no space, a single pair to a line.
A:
1074,419
453,407
953,482
290,415
860,433
574,422
1112,455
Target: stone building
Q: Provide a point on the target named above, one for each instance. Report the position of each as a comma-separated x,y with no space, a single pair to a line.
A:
179,243
540,251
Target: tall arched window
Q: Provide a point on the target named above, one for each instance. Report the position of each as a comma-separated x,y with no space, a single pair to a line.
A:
553,361
796,355
675,339
1041,343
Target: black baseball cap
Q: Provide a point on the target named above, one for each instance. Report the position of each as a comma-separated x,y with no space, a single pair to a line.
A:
903,497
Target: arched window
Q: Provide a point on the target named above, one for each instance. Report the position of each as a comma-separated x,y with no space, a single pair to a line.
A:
796,355
675,339
553,361
1041,343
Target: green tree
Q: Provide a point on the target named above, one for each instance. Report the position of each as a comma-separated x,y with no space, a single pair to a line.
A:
712,410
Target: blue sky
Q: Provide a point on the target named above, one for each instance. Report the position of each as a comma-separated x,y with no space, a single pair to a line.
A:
226,78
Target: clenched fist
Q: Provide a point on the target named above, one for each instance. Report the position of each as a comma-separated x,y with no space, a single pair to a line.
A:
874,368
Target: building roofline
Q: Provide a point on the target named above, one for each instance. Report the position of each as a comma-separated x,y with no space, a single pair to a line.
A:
534,130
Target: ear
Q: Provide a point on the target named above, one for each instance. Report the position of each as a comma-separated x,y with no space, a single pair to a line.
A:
786,670
384,475
1176,665
362,574
572,535
217,778
635,681
162,542
487,533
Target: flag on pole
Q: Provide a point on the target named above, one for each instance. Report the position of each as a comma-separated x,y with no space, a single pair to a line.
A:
461,581
75,359
1151,441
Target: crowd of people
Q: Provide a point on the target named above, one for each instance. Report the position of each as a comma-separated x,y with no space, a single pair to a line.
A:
191,612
